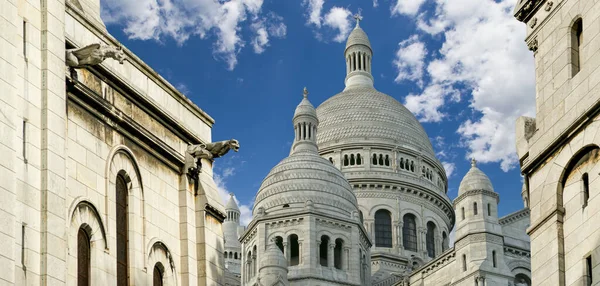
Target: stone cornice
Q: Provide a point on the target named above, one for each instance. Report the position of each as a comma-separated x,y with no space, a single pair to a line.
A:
441,207
430,267
513,217
87,99
475,192
525,9
478,237
101,33
516,252
215,212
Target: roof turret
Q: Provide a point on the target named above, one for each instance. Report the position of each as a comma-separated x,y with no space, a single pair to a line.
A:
475,179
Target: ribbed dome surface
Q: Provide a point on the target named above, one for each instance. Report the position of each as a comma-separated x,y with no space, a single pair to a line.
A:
273,257
475,179
305,176
358,37
361,113
305,108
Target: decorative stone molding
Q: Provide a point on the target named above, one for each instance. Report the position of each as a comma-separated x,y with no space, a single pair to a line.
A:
332,224
533,22
533,46
285,223
91,55
478,237
516,216
549,6
195,153
526,9
476,192
516,252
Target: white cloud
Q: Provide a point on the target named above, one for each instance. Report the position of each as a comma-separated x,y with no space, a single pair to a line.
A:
410,59
180,20
375,3
338,18
314,11
483,56
407,7
220,181
273,25
450,168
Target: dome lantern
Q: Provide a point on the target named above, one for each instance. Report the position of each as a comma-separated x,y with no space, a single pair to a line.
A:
358,55
305,126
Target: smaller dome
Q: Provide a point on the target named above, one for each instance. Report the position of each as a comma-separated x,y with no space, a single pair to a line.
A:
475,179
305,107
231,204
273,257
358,37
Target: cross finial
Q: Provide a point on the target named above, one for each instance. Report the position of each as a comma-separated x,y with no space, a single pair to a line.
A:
305,92
473,162
358,18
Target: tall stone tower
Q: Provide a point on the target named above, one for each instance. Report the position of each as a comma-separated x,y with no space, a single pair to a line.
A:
559,149
479,239
231,234
307,208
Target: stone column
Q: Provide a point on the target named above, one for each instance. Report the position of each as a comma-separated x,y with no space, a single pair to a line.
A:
400,237
346,258
300,260
318,256
394,235
286,252
330,249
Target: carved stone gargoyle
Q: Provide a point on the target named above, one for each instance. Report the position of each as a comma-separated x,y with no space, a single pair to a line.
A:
91,55
195,153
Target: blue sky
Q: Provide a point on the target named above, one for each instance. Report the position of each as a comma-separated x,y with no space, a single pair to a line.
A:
460,66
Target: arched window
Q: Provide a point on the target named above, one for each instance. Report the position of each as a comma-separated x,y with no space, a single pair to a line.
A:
489,209
352,161
345,160
494,258
337,253
401,163
474,208
254,261
294,250
444,241
279,242
331,160
576,44
122,217
523,279
464,262
585,180
409,232
374,159
358,159
157,276
380,160
383,229
360,216
83,258
235,256
462,210
589,271
387,160
430,239
323,250
412,166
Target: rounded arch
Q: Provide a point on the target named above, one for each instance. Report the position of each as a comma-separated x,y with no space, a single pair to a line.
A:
418,218
123,163
572,164
159,254
84,215
378,207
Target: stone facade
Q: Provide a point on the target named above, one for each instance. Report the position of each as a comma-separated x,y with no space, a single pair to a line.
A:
559,148
71,145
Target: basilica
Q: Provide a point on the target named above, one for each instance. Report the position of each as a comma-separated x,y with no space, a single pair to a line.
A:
106,178
362,200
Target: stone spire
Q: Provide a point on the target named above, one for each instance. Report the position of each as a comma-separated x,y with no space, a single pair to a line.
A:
305,126
232,209
358,55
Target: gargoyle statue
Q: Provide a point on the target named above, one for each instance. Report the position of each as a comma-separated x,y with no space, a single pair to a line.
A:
91,55
210,151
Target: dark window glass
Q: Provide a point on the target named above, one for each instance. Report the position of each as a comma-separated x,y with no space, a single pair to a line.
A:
122,239
409,232
337,253
474,208
294,250
383,229
430,239
157,275
279,243
585,179
323,250
83,258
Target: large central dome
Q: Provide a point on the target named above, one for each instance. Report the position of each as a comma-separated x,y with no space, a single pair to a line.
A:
363,113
